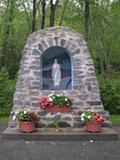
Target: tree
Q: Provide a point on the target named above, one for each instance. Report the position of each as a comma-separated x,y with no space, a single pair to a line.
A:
53,5
34,16
87,18
62,15
8,32
43,14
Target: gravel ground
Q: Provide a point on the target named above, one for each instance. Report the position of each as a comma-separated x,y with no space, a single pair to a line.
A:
50,150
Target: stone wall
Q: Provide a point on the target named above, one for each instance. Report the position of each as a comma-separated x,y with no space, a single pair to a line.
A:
85,91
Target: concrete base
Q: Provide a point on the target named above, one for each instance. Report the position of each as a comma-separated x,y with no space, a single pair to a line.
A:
66,134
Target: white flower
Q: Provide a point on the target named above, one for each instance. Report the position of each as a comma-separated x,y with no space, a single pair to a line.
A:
82,119
89,117
50,99
25,112
14,117
66,99
82,115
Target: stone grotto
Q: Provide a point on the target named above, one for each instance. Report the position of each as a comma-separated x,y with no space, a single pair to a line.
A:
65,48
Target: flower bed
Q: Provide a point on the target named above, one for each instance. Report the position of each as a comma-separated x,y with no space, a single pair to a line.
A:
56,103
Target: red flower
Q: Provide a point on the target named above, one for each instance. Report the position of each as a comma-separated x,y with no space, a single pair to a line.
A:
45,102
98,118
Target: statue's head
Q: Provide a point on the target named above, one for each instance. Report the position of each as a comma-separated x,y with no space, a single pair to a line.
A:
55,61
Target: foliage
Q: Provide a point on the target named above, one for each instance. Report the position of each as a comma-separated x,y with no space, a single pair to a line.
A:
61,100
91,116
58,100
16,22
6,92
25,115
110,94
104,31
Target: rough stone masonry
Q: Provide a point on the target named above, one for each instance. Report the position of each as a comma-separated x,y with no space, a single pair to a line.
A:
85,91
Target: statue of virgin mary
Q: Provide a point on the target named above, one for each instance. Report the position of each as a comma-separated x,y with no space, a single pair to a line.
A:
56,73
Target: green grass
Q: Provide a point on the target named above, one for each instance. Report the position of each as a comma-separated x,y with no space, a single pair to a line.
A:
4,119
115,119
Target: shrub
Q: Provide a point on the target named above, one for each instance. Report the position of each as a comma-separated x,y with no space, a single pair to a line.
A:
6,92
110,94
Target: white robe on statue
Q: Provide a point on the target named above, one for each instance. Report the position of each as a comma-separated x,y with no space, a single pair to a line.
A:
56,73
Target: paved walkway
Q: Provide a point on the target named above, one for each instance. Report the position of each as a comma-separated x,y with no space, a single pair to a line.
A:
50,150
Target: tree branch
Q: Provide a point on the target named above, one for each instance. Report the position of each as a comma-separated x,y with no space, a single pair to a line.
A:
62,16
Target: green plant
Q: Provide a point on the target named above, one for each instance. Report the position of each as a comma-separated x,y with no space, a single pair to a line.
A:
110,94
91,116
6,92
59,100
26,115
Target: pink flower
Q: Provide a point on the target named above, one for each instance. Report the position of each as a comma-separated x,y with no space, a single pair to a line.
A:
45,102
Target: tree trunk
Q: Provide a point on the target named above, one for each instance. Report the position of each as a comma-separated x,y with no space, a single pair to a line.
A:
100,58
43,14
27,17
34,16
8,33
52,12
62,16
87,17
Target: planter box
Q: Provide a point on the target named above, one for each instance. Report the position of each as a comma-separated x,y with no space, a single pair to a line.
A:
58,109
27,127
93,127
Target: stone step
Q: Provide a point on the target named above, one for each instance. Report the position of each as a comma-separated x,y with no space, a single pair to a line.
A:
66,134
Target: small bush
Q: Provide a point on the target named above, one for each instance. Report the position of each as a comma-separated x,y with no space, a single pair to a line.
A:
110,94
6,92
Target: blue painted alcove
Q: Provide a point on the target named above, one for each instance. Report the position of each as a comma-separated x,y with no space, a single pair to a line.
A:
64,59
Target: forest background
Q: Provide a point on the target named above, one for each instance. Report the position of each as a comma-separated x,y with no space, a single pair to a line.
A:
97,20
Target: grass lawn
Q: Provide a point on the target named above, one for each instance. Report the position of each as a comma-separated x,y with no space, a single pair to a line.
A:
115,119
4,119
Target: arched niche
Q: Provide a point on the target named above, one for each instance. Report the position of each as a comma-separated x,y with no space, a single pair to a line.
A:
50,75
